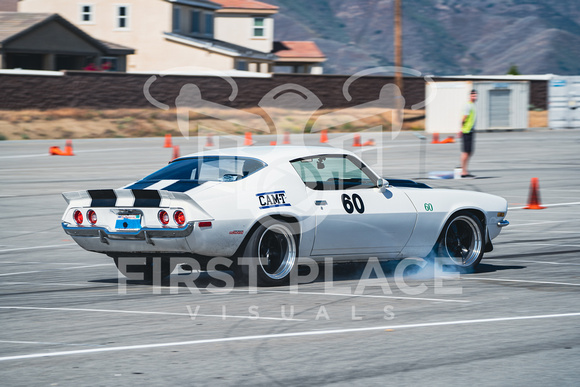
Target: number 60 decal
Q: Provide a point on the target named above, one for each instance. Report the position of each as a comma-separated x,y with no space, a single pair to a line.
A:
356,204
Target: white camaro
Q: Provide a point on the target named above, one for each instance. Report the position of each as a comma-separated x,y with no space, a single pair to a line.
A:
276,204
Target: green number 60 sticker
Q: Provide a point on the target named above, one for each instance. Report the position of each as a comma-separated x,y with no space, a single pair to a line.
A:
428,207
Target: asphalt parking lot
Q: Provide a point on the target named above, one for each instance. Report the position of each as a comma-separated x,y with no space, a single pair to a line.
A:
68,320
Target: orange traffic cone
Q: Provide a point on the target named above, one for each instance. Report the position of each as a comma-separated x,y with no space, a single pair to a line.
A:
356,140
323,137
370,142
534,196
168,143
175,152
448,140
56,151
209,141
68,149
435,138
286,138
248,140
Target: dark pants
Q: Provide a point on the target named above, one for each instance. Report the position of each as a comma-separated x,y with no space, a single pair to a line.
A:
467,140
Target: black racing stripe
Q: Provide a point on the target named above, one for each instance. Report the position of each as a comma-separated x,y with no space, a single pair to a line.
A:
102,197
182,186
146,198
142,184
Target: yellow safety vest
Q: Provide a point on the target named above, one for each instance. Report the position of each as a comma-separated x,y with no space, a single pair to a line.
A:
470,121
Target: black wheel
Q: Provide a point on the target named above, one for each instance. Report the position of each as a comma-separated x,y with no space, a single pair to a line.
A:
462,241
273,248
153,268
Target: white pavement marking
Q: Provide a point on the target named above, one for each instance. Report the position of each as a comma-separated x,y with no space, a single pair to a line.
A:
545,222
546,205
77,151
284,335
37,284
48,343
353,295
222,316
551,244
521,281
538,244
63,268
24,156
545,262
37,248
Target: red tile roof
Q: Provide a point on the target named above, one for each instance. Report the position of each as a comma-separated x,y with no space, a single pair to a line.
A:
289,49
245,4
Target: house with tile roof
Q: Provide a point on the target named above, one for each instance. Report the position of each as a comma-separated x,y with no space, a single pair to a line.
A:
202,34
45,41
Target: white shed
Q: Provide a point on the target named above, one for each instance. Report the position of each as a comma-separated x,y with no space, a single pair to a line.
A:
500,105
564,102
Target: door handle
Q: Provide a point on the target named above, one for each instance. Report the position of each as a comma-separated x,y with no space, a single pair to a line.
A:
320,203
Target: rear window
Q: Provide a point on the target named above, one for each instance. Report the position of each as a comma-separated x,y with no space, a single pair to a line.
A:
211,168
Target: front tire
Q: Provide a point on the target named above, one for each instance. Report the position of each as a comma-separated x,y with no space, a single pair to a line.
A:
462,241
273,250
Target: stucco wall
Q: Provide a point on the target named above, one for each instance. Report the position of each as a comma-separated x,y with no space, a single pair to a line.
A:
149,20
238,29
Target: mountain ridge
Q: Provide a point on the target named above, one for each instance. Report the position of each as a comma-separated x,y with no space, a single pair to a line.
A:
442,37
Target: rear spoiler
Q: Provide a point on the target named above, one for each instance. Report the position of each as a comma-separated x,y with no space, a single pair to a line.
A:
132,198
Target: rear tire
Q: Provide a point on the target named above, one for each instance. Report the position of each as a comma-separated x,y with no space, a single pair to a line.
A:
273,250
462,241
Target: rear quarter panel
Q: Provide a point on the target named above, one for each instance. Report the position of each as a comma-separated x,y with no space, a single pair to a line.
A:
238,206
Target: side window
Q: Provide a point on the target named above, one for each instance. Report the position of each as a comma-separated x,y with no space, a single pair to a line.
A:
334,172
176,25
259,27
87,14
122,16
209,24
195,22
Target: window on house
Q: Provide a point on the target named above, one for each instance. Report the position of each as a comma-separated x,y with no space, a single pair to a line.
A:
87,13
109,63
195,22
209,24
259,27
242,65
122,17
176,19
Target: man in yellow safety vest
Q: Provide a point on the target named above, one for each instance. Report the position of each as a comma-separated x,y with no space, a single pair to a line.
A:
467,134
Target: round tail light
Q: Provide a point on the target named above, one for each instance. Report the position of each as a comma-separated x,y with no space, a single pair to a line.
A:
78,216
179,217
163,217
92,216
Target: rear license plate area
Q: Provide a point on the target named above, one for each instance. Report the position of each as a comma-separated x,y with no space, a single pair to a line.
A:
128,222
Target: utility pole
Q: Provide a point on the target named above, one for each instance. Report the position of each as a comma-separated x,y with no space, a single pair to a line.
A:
398,57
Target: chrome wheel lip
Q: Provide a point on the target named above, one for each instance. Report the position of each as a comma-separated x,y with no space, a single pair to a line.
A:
475,247
290,254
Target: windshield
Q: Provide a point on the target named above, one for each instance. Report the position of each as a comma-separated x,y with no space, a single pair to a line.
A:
209,168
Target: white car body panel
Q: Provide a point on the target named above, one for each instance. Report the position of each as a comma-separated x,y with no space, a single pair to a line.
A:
395,222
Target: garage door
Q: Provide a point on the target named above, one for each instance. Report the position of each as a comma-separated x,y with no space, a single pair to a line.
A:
499,108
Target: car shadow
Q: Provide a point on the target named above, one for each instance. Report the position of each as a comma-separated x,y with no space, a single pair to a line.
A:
339,272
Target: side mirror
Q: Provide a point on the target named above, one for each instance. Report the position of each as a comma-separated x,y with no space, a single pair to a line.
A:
383,183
